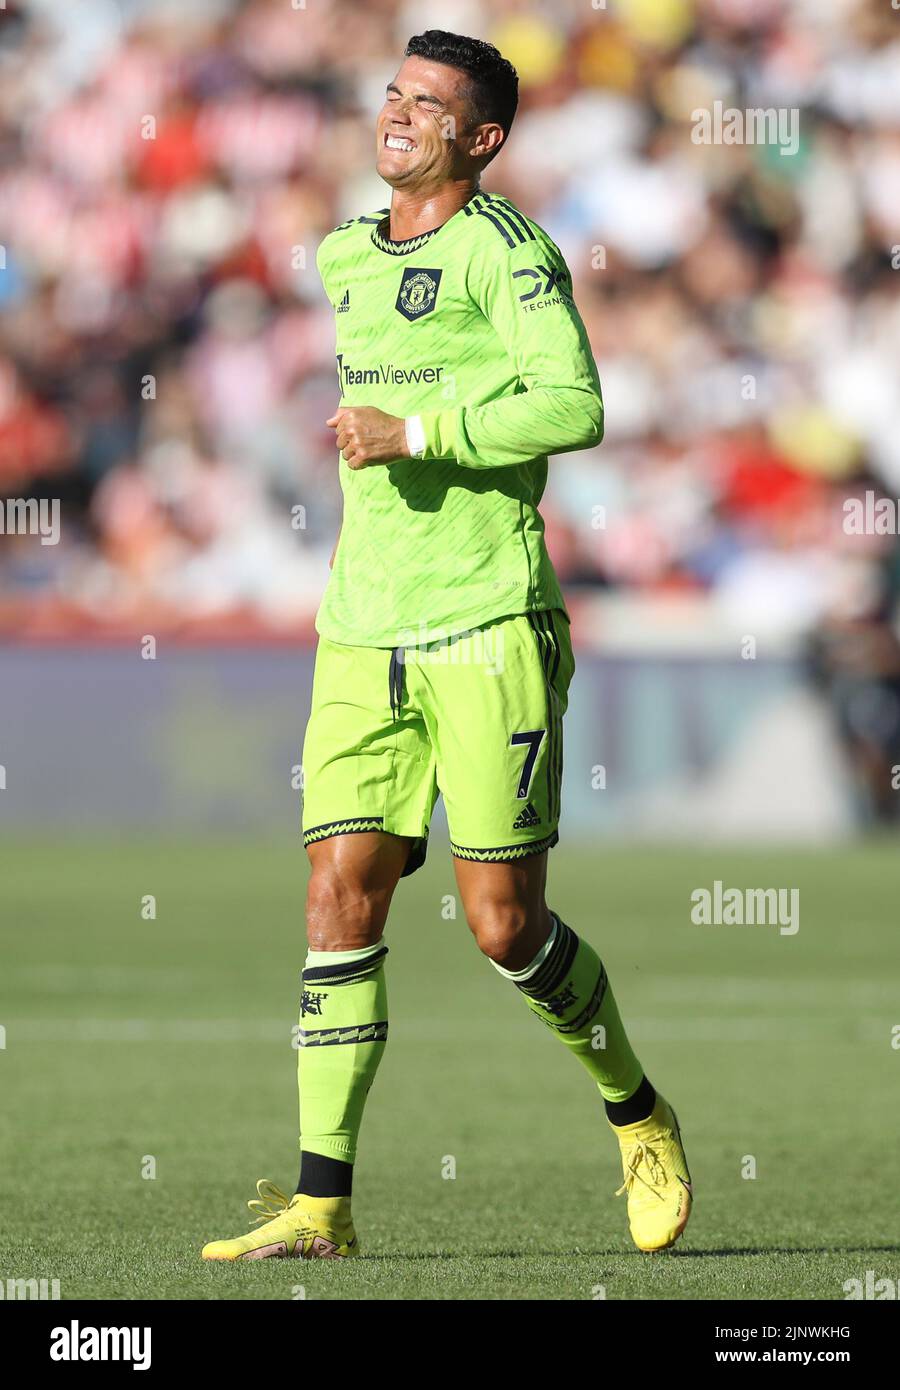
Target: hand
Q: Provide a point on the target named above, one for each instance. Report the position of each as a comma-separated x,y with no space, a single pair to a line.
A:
366,435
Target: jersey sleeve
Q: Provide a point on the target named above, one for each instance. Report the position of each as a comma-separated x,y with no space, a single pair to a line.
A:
526,295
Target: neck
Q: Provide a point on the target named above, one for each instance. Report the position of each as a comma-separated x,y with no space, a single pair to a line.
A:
417,211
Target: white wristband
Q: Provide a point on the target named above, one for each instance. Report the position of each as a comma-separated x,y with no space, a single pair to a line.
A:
415,436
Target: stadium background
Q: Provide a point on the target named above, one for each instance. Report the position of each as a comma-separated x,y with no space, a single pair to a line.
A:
166,366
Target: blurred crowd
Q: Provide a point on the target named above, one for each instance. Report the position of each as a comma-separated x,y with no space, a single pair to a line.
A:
166,350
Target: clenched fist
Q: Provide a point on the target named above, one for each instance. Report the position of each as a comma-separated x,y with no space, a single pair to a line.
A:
366,435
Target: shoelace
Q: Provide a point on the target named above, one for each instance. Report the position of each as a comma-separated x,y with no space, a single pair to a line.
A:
269,1202
644,1152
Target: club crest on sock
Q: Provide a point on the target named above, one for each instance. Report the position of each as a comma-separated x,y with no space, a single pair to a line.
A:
311,1002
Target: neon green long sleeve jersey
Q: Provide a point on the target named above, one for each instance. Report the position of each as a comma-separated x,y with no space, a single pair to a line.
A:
472,328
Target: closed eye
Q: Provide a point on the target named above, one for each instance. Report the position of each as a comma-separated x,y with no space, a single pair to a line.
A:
421,99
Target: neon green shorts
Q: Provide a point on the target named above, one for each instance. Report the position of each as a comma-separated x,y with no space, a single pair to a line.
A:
476,717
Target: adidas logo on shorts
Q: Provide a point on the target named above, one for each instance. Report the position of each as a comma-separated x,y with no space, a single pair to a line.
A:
528,816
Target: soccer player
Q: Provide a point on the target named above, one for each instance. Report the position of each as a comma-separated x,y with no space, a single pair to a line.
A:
444,657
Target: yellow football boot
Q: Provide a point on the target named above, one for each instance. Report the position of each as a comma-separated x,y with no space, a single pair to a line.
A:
299,1228
657,1180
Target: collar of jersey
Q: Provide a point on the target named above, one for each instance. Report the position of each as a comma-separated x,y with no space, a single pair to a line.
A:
403,248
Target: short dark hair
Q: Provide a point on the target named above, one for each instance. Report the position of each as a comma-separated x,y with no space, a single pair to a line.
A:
493,81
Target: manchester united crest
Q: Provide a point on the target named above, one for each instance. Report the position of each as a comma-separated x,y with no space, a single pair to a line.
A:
418,292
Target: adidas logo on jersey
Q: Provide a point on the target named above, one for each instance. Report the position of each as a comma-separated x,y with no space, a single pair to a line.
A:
528,816
344,305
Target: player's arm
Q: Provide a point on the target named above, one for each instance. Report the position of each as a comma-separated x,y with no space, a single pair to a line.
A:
526,295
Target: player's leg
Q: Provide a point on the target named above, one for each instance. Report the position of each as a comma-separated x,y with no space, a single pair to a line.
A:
563,981
559,975
495,717
343,1007
369,792
340,1042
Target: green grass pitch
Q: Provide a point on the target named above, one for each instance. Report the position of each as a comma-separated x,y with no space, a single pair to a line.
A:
170,1038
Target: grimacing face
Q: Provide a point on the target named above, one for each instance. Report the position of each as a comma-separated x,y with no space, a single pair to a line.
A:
423,135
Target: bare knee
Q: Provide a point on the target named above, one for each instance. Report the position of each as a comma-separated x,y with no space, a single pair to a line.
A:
343,914
509,932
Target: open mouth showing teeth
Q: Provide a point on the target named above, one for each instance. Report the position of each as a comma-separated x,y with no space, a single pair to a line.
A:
397,142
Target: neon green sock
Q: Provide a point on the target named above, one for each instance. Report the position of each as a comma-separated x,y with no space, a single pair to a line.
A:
566,986
343,1028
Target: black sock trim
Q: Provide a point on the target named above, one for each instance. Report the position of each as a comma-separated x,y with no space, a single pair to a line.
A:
321,1176
636,1107
552,973
346,973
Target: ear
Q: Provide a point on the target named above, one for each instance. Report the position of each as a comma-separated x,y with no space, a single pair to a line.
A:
488,139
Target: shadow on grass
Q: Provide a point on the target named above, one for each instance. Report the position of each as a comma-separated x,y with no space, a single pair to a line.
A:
789,1250
676,1252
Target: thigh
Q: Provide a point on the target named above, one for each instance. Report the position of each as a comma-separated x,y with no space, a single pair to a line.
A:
368,764
505,907
350,890
520,882
493,702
